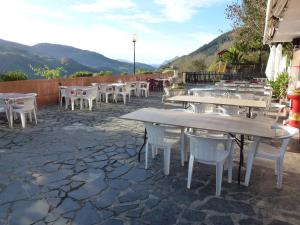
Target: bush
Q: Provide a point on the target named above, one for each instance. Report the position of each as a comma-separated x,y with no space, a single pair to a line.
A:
13,76
102,73
214,67
82,74
47,72
280,85
124,74
168,70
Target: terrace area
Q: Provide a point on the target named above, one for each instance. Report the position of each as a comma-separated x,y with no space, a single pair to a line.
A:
81,168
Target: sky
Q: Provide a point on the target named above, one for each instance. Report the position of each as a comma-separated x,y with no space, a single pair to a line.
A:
164,28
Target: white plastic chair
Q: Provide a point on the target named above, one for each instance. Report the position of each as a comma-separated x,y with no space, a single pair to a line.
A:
212,150
159,139
144,89
166,94
25,106
205,108
5,108
258,149
72,95
89,95
62,94
109,91
101,92
123,92
132,88
99,97
270,114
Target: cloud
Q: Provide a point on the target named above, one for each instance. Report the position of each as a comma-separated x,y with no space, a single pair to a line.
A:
15,8
113,39
201,37
101,6
145,17
183,10
141,28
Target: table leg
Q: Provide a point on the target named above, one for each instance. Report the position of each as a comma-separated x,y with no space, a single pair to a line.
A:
145,139
241,158
249,113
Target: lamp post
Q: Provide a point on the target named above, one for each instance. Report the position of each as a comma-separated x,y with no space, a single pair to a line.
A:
134,40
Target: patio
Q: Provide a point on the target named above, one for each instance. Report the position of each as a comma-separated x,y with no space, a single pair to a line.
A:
81,168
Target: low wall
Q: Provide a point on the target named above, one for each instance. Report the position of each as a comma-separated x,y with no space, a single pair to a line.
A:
47,90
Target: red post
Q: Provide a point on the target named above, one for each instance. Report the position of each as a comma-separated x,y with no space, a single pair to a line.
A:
294,118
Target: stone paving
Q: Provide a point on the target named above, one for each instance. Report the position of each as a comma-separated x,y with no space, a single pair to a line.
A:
81,168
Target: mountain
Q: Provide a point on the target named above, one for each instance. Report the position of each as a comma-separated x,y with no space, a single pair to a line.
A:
206,54
15,56
169,60
87,58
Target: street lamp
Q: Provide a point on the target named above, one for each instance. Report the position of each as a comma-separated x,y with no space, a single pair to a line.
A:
134,40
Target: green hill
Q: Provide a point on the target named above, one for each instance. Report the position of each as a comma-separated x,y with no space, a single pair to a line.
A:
207,54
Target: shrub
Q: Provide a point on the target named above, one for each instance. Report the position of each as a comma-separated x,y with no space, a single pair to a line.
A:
102,73
214,67
13,76
124,74
168,70
108,73
47,72
82,74
280,85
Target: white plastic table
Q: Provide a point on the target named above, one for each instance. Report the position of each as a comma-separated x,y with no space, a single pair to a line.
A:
230,125
10,98
220,101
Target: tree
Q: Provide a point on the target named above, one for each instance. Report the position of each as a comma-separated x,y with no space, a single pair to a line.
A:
82,74
248,22
199,64
124,74
140,71
233,56
13,76
102,73
214,67
47,72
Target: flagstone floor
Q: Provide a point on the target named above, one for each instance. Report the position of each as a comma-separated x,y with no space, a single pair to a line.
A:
81,168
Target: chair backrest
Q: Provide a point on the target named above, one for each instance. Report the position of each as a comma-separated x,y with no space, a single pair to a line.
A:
155,134
28,103
182,110
205,146
3,104
121,89
284,134
71,92
203,108
202,93
95,84
91,92
167,92
248,96
131,85
216,114
144,85
109,88
62,91
238,96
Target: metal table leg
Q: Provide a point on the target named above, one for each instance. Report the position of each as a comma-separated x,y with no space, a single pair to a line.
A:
241,158
145,139
249,113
